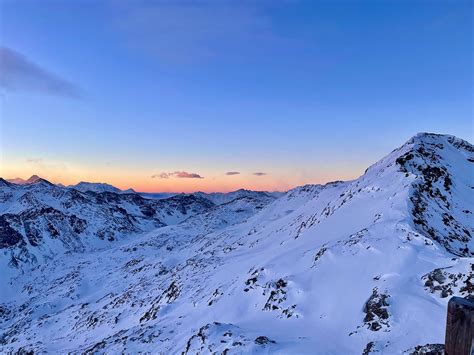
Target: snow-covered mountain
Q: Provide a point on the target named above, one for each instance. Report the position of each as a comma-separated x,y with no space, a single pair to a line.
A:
348,267
81,186
98,187
20,181
219,198
40,219
157,195
95,187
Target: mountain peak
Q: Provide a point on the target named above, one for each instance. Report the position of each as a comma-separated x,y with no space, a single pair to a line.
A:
408,218
98,187
17,181
427,137
33,179
4,182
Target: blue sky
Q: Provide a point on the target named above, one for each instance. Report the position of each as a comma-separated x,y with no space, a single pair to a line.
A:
304,91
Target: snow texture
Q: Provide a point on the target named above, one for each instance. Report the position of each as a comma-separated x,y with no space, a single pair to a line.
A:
348,267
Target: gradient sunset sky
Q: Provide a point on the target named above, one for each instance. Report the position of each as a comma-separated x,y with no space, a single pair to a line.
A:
220,95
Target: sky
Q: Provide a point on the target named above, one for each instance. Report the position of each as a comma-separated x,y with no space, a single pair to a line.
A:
184,96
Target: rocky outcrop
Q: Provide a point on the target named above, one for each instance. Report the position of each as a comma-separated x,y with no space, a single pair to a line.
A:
440,192
376,311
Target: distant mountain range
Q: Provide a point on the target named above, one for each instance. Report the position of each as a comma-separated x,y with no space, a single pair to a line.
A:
19,181
82,186
349,267
215,197
36,213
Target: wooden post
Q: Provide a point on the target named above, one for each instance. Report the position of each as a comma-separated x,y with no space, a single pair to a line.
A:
460,327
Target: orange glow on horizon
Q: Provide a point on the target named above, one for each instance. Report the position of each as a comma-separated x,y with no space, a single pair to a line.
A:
215,180
188,185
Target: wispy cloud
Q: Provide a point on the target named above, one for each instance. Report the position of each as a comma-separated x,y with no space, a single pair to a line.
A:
178,174
232,173
259,174
161,176
186,31
18,73
184,174
34,160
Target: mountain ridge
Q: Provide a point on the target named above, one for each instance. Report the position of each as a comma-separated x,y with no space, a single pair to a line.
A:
344,267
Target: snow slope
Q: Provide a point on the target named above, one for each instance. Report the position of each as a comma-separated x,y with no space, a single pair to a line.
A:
347,267
95,187
98,187
220,198
217,198
40,220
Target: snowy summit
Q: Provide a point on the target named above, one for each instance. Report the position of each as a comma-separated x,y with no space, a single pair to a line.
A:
348,267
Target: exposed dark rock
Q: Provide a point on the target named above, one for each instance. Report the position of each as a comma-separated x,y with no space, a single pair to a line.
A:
431,196
251,282
262,340
446,283
368,348
376,311
168,296
8,236
428,349
320,253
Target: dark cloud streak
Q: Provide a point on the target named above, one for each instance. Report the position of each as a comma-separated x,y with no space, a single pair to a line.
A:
18,73
232,173
178,174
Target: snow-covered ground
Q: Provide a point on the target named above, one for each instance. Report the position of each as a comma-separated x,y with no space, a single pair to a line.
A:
343,268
